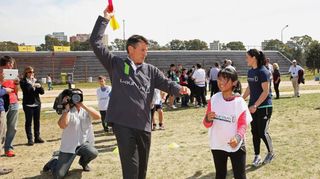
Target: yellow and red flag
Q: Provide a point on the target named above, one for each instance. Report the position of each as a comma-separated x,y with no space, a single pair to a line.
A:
113,22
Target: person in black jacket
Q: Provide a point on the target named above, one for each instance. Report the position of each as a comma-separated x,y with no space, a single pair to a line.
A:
276,79
31,88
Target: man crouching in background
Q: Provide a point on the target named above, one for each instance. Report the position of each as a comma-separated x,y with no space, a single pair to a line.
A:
77,139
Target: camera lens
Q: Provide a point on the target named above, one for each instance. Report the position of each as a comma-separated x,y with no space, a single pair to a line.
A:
76,98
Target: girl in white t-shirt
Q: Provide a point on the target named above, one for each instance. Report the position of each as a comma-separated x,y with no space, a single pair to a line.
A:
103,96
227,118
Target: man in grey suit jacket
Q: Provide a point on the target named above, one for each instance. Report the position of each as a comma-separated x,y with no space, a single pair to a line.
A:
133,84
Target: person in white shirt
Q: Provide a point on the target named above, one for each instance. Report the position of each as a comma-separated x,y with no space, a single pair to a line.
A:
270,69
229,65
77,139
103,96
199,77
213,77
294,72
227,119
157,106
49,81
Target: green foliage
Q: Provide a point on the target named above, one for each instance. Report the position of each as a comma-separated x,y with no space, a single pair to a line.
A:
313,55
195,44
80,46
294,49
51,41
154,45
118,44
176,45
8,46
236,45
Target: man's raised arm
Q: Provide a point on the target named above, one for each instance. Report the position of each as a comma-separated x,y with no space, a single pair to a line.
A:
101,50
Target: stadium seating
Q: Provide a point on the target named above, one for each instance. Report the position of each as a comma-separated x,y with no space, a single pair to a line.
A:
85,64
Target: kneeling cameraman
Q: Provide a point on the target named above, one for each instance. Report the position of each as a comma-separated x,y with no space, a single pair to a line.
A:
77,138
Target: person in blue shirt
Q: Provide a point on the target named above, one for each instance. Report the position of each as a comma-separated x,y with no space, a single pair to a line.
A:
260,104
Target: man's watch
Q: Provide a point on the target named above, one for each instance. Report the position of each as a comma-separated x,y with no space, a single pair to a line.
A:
65,110
255,106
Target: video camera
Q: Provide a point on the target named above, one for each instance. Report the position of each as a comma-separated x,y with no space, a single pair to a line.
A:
74,95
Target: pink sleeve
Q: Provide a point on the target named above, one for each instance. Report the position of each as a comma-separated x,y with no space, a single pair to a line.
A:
205,123
242,125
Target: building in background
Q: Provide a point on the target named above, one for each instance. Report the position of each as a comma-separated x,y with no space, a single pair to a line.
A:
215,45
80,38
86,37
59,35
264,44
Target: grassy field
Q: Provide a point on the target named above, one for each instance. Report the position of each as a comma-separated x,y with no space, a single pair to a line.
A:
294,129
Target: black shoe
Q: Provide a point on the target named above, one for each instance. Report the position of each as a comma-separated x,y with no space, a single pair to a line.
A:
47,167
30,143
38,140
86,168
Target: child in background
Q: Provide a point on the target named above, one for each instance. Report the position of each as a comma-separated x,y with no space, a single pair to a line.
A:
184,82
227,118
157,106
103,96
49,81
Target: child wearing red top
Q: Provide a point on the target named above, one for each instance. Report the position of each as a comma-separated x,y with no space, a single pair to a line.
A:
227,118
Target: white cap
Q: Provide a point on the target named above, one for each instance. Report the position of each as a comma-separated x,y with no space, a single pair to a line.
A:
294,61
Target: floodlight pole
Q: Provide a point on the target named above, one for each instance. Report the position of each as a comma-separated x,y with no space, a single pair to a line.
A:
282,32
124,36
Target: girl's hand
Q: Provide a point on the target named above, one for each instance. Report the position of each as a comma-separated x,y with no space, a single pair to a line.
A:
233,142
252,109
211,116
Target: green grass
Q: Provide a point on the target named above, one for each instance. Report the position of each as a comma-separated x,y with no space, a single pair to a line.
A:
294,128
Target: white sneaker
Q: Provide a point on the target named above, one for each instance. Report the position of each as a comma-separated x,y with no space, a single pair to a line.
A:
173,107
256,161
268,158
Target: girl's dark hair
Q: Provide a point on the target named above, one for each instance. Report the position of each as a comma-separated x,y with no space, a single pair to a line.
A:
232,75
5,60
259,55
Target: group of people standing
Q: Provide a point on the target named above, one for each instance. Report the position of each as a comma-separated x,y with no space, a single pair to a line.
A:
134,85
9,107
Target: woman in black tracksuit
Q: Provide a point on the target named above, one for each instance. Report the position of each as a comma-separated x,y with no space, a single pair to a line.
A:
260,104
276,79
31,88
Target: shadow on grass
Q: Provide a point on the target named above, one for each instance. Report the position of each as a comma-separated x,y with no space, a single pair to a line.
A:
54,140
283,97
104,140
168,109
106,148
198,174
75,173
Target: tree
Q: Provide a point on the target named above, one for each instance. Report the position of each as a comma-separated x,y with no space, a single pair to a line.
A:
154,45
8,46
51,41
176,45
196,44
274,44
80,46
118,44
313,55
302,41
236,45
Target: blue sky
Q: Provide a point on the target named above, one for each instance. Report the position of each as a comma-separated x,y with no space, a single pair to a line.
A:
249,21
